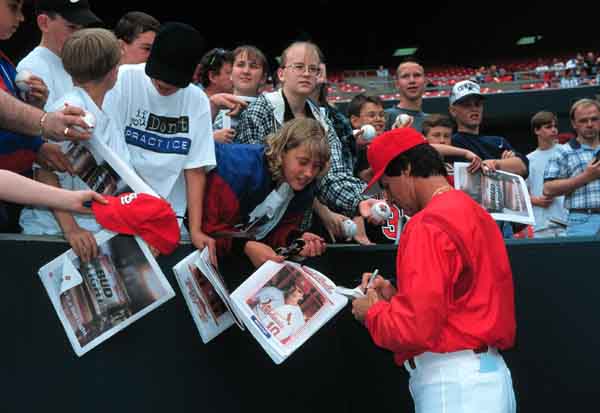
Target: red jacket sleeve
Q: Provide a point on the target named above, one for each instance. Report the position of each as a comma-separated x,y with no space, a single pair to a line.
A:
427,264
288,227
221,211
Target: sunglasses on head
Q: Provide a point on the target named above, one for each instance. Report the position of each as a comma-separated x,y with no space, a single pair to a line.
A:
218,52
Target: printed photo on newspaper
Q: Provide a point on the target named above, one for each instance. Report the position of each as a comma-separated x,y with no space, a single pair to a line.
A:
504,195
284,304
97,299
205,295
102,170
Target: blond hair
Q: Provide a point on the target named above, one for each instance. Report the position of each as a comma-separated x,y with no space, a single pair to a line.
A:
90,54
583,102
308,45
295,133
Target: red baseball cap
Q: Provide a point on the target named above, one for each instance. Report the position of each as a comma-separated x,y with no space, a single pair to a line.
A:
145,215
387,146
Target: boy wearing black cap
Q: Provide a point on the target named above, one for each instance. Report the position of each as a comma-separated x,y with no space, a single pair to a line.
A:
166,122
57,20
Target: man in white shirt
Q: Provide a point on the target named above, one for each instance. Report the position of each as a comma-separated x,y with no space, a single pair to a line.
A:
166,123
57,20
550,215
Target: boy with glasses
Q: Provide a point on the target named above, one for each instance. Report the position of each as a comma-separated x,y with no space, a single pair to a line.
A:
339,190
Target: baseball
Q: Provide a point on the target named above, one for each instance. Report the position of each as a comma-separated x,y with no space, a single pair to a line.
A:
88,118
403,120
21,80
368,132
381,211
349,228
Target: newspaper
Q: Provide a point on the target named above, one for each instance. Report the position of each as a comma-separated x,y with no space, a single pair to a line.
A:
95,300
504,195
102,170
281,304
284,304
206,295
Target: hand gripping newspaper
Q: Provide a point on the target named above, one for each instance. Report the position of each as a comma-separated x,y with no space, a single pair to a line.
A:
97,299
281,304
503,194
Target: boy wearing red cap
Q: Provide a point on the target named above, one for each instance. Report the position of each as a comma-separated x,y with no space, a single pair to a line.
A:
453,304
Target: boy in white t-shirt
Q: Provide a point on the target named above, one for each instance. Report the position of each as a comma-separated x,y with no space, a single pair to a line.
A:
548,211
56,19
167,123
91,58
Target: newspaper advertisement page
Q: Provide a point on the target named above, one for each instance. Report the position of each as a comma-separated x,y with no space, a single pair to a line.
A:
104,171
97,299
504,195
210,311
284,304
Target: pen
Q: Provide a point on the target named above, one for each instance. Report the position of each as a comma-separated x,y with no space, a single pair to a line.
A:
371,278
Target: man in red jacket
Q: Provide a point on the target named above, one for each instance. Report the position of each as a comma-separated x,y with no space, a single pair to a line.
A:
453,304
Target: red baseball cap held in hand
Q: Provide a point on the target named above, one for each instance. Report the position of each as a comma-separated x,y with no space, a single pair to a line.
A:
387,146
145,215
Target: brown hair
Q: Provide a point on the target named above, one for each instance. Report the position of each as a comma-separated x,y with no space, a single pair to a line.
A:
542,118
253,52
134,23
293,134
434,120
90,54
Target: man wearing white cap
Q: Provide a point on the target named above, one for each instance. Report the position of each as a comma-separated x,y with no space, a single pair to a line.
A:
466,107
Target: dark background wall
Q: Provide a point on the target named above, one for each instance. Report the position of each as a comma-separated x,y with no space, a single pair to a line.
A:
365,35
159,363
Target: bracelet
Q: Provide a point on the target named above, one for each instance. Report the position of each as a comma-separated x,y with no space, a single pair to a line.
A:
42,121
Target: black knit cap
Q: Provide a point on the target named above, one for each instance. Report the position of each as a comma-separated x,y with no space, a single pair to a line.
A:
175,53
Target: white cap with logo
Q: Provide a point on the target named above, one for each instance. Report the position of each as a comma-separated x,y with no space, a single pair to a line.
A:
463,89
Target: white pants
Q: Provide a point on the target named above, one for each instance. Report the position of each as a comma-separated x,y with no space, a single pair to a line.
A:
461,382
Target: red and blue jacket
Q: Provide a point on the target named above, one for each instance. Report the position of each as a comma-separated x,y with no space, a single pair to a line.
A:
17,152
240,182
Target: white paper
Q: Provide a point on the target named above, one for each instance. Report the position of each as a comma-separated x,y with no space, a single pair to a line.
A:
504,195
209,312
120,286
273,311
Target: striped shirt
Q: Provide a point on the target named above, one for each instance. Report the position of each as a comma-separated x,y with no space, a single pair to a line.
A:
570,160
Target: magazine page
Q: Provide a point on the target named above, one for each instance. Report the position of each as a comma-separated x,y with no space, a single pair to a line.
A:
284,304
503,194
102,170
215,278
208,310
95,300
102,151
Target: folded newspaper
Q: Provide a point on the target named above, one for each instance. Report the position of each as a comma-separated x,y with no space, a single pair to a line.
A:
206,295
281,304
503,194
95,300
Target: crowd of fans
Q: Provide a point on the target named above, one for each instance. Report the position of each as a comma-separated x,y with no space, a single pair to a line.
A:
178,117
